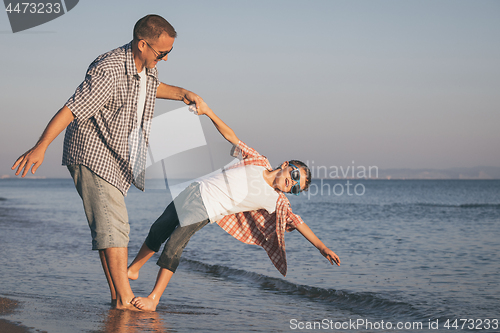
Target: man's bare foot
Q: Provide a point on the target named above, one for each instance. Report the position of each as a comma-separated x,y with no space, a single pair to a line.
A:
132,275
127,306
145,303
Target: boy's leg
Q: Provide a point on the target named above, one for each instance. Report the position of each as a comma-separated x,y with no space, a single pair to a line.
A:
159,232
140,259
171,254
149,303
169,261
187,206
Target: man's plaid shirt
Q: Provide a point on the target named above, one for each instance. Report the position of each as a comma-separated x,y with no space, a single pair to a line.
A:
259,227
105,109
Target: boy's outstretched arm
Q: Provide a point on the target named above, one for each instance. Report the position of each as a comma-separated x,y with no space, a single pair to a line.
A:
311,237
223,129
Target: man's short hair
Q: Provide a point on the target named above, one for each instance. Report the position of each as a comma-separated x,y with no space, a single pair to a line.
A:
302,165
150,27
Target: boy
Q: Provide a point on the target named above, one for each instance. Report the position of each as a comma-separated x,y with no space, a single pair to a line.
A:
246,200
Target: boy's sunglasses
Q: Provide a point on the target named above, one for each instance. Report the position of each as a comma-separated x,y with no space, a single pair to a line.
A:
162,55
295,175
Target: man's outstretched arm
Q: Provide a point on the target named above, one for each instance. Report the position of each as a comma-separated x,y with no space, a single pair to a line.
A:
166,91
311,237
33,158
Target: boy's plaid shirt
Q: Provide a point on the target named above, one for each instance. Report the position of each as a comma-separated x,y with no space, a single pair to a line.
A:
259,227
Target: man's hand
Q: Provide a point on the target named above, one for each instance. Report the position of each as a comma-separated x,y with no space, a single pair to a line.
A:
330,255
190,98
33,158
167,91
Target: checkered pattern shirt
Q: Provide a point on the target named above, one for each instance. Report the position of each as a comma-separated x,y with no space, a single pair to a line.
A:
259,227
105,110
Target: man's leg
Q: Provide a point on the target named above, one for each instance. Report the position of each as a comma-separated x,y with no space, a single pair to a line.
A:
116,262
105,267
107,216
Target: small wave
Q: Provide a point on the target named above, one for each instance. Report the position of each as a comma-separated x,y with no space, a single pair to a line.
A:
364,303
467,205
402,204
497,206
3,199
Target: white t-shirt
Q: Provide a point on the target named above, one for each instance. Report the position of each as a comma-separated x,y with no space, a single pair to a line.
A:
137,135
141,100
237,190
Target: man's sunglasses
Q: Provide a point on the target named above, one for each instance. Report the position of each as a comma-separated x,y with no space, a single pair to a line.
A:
295,175
159,56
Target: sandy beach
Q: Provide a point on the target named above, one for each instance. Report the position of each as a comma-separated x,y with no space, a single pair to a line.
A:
7,306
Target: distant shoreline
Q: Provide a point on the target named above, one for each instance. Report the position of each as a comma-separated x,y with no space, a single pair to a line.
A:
339,179
475,173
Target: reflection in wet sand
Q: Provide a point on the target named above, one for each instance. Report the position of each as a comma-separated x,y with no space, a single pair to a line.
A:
119,321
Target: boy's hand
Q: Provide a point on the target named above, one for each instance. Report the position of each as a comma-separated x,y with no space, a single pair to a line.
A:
330,255
311,237
202,108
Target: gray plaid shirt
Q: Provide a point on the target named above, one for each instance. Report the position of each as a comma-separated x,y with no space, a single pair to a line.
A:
101,136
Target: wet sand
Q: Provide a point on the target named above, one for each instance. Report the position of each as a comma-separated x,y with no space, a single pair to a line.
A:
7,306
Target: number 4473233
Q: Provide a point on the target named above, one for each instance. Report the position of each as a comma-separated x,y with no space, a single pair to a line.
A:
472,324
34,8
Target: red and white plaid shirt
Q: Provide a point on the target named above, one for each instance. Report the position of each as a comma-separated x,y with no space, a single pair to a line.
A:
258,227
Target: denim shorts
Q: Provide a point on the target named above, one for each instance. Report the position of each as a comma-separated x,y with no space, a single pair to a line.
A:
104,207
187,209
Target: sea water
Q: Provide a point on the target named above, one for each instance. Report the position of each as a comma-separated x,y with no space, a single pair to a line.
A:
416,255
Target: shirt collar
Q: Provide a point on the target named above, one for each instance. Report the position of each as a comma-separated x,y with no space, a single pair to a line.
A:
130,63
129,60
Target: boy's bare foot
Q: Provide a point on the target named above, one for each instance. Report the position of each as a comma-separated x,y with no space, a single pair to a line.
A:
132,275
145,303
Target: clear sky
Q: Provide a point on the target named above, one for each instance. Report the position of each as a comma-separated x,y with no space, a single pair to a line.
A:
392,84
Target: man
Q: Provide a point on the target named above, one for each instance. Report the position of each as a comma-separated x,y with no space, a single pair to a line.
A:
108,122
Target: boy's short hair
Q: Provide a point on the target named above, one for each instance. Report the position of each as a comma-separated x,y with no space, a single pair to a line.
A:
302,165
150,28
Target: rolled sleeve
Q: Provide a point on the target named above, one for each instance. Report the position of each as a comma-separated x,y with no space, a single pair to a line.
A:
292,221
244,150
92,94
